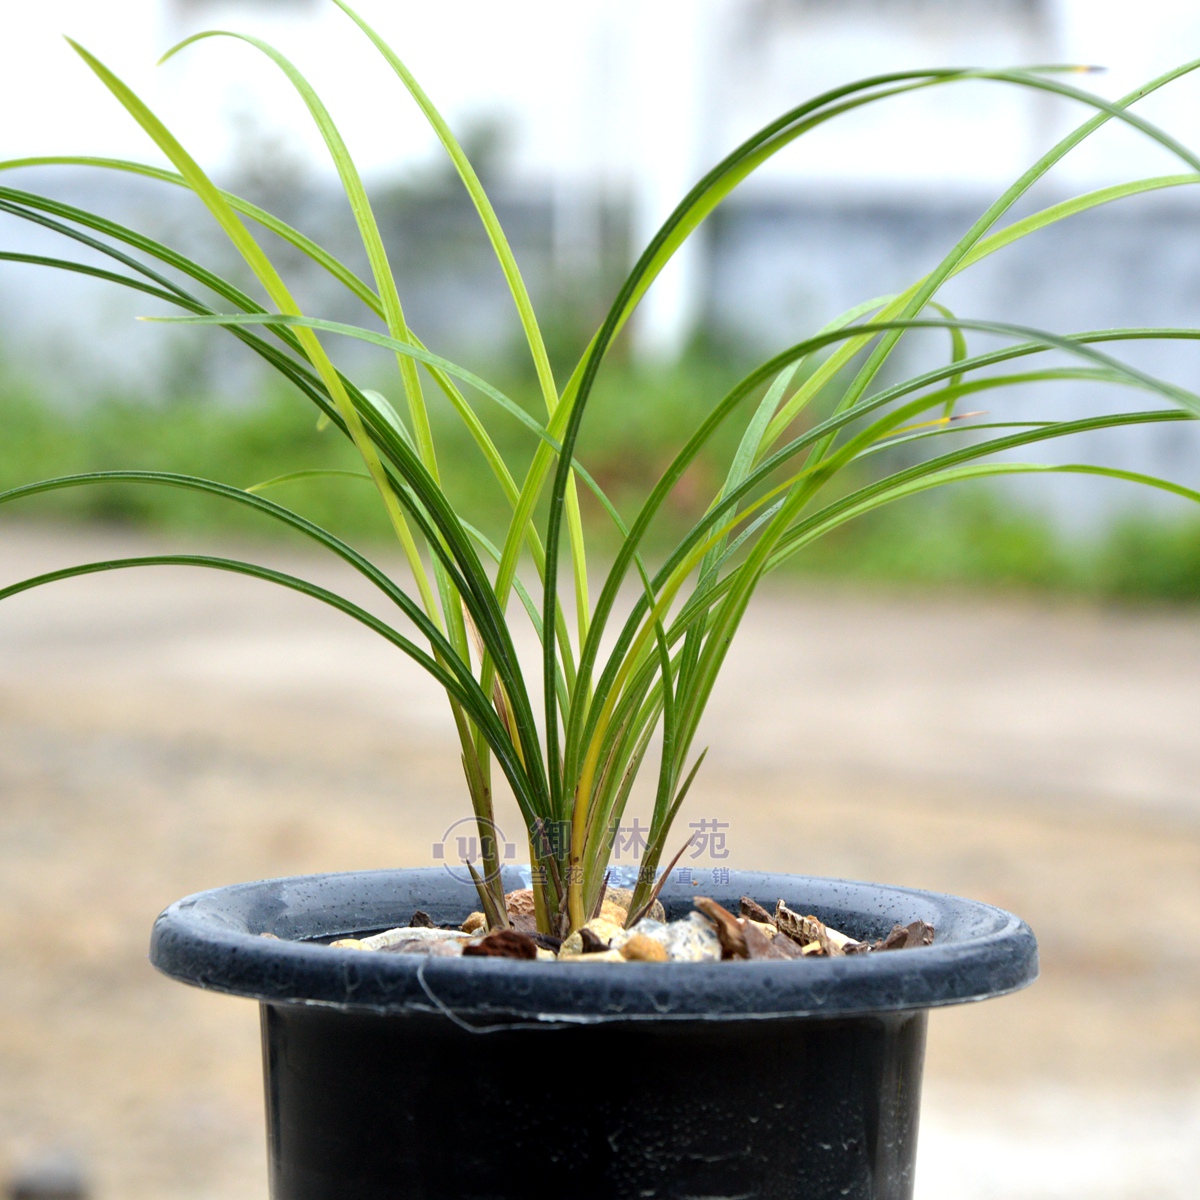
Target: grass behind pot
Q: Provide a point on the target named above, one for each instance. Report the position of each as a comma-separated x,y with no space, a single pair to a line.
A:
819,435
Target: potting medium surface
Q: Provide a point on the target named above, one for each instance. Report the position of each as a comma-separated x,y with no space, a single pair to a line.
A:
215,940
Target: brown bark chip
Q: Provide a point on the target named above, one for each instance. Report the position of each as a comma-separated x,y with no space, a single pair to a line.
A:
729,928
790,923
811,931
504,943
755,912
528,926
806,931
421,920
907,937
593,943
759,945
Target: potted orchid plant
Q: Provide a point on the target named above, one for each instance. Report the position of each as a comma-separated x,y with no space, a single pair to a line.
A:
802,1075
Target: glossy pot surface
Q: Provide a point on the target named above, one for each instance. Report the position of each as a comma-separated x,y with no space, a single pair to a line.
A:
378,1107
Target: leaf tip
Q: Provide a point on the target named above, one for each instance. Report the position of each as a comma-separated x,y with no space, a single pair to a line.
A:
79,49
187,41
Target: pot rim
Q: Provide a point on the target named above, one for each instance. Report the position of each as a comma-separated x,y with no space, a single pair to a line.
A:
214,940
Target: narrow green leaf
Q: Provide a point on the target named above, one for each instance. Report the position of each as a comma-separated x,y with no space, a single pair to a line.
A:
312,250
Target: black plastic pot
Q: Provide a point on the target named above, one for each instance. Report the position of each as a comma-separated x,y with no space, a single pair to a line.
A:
391,1077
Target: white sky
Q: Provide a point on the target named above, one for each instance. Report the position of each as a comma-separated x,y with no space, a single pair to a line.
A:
597,88
503,60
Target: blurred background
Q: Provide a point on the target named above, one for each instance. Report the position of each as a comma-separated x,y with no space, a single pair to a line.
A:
990,692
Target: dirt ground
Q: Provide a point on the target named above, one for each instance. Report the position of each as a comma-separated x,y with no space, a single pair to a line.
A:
164,731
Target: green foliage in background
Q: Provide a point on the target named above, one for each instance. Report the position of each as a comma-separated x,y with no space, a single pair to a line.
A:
639,412
980,541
